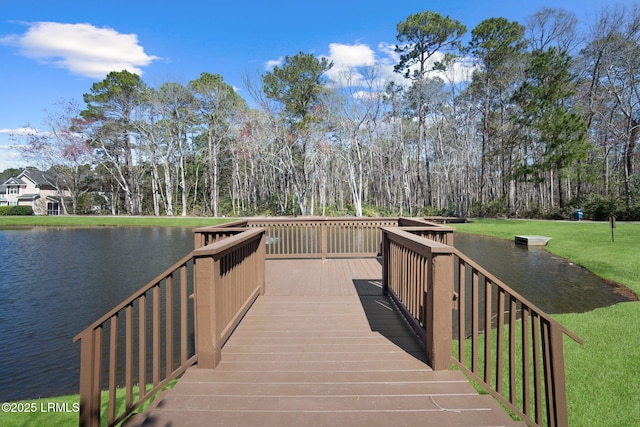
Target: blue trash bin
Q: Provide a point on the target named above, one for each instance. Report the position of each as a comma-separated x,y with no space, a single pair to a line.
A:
577,214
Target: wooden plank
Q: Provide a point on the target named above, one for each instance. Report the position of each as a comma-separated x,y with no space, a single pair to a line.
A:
439,416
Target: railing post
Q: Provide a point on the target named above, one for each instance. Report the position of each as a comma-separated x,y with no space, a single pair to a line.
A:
448,238
323,239
438,311
556,380
198,239
208,346
385,249
260,259
90,363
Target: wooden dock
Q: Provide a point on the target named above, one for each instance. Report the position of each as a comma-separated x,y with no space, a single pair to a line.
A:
323,346
532,240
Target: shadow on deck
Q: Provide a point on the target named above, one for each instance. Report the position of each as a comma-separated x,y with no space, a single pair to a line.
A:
323,346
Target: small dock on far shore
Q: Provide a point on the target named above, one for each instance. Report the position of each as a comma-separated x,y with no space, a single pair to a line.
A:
532,240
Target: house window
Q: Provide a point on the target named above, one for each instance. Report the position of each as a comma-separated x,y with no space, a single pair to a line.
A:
53,208
13,190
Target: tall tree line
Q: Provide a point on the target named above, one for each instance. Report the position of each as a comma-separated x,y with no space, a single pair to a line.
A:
529,119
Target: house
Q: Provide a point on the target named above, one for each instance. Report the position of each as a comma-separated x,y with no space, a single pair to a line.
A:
36,189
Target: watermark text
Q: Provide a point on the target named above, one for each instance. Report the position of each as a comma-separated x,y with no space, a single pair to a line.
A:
40,407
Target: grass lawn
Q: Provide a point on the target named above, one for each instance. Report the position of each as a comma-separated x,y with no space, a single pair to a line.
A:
60,411
55,411
97,221
603,387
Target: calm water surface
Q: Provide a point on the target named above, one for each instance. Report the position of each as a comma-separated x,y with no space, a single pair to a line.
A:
552,283
54,282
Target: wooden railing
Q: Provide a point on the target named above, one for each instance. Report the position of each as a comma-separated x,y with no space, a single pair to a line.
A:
521,362
223,277
137,323
323,237
230,275
442,293
417,274
313,237
516,350
204,236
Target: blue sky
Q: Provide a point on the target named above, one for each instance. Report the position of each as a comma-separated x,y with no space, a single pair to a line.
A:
55,50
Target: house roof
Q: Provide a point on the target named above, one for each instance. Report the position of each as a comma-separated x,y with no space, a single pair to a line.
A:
29,197
41,179
14,181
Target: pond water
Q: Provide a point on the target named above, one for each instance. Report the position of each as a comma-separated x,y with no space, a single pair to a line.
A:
54,282
550,282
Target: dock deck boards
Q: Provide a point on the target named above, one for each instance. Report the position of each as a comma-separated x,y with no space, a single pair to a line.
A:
323,346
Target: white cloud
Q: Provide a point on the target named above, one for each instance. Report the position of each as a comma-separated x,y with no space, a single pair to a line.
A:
11,141
83,49
347,59
355,55
461,70
271,64
23,131
10,157
389,50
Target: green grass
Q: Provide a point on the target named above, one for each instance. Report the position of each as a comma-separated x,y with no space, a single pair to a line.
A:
97,221
28,415
62,411
602,375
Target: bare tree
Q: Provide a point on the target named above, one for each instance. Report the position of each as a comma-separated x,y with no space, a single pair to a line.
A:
62,149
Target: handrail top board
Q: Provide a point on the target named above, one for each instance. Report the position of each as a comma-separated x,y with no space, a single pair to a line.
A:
168,272
420,245
220,248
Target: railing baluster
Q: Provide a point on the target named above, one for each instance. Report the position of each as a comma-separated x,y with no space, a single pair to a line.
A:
169,325
129,356
548,373
462,298
422,273
156,335
142,346
113,365
488,312
412,289
288,233
513,311
323,239
184,327
526,350
500,341
537,375
474,322
281,239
